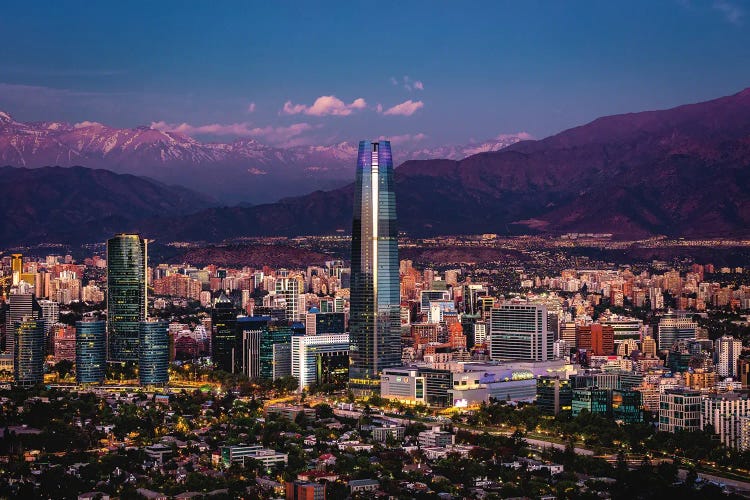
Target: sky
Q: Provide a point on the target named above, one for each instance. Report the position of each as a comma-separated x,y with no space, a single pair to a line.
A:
425,72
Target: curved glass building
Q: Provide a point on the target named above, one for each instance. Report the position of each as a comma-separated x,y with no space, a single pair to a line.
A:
91,352
374,320
126,294
28,351
153,353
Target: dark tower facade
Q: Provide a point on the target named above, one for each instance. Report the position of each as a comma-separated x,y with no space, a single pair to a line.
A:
375,302
91,352
225,341
127,265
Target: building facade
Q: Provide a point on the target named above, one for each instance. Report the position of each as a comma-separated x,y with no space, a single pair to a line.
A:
28,352
519,331
320,359
374,323
91,352
153,353
127,303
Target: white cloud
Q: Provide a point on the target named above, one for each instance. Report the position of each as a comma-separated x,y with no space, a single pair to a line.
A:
418,85
87,123
731,11
394,81
406,108
324,106
251,107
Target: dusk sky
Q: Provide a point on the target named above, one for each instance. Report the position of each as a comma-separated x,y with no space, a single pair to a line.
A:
435,72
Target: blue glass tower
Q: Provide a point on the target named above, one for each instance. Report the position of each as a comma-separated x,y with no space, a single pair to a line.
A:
126,294
153,353
28,351
375,301
91,351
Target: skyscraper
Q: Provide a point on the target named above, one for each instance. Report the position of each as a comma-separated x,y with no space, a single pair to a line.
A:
28,353
375,302
153,352
727,351
225,340
91,352
127,304
519,331
288,287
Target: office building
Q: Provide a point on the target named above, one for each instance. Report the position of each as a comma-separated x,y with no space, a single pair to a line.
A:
153,353
127,303
727,350
239,453
91,352
225,341
28,352
679,409
593,400
519,331
625,329
320,359
20,306
553,394
596,339
374,322
674,327
288,288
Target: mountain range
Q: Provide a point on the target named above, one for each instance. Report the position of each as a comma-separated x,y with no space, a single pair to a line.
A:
243,171
677,172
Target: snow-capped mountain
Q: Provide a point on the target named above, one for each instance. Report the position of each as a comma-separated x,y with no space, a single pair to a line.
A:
241,171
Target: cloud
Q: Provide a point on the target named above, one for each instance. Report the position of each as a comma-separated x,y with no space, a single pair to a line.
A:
324,106
731,11
275,135
408,83
251,107
406,108
87,123
405,138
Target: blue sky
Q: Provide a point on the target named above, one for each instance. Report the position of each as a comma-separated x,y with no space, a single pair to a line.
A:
217,70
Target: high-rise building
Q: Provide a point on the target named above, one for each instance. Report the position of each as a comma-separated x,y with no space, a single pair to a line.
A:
679,409
727,349
725,413
674,327
153,352
28,351
519,331
288,287
225,340
91,351
127,303
305,490
20,305
320,359
596,338
16,267
50,314
374,322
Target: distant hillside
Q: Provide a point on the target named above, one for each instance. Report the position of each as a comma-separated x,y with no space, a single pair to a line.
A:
679,172
55,204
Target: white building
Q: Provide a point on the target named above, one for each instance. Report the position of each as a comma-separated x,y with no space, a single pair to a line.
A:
679,409
315,358
519,331
728,351
725,413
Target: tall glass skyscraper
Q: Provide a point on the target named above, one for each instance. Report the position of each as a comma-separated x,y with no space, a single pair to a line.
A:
91,351
127,304
153,349
28,352
375,302
225,340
